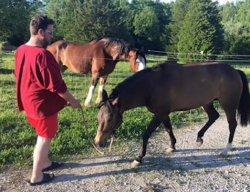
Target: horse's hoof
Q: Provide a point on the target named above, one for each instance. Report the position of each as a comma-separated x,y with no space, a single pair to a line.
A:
135,164
171,149
199,142
222,155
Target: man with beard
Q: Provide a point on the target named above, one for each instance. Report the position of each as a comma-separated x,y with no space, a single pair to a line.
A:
41,93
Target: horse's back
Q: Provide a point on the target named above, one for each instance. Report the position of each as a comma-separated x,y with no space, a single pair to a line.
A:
188,86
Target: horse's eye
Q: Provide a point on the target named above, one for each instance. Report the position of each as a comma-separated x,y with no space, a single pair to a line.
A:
110,119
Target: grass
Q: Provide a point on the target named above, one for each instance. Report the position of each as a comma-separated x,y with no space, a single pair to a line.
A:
17,137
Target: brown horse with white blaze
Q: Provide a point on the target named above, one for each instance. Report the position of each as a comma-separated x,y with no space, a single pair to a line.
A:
169,87
98,57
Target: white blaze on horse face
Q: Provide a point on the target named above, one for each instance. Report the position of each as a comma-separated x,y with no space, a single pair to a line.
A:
88,101
141,63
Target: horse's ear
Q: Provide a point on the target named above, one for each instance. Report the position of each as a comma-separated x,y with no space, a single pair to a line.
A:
115,101
104,95
104,99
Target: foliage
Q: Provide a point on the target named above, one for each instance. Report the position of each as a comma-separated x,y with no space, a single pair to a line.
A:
179,12
241,46
235,20
146,24
87,20
227,12
142,23
243,16
201,31
55,10
150,23
15,17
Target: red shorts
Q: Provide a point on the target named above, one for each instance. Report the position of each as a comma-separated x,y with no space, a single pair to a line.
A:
45,127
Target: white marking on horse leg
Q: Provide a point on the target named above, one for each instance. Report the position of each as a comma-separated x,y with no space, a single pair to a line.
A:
135,164
99,96
88,101
141,64
228,148
171,149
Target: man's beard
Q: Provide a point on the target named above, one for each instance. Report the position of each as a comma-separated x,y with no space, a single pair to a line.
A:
45,43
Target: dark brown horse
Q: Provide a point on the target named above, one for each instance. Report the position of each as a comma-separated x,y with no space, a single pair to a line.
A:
165,88
98,57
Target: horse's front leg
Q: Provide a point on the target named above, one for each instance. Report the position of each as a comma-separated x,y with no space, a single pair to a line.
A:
169,129
155,122
88,101
100,89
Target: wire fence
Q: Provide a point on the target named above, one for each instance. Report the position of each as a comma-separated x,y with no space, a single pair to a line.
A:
79,84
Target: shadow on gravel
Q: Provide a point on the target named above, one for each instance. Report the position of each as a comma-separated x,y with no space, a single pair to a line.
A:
79,165
166,162
210,150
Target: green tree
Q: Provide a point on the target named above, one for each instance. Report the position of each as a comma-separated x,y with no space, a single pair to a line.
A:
236,19
201,31
241,46
55,10
15,17
146,24
243,15
151,20
180,8
87,20
227,12
164,13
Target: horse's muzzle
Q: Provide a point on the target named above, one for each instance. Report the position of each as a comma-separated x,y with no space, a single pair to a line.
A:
100,144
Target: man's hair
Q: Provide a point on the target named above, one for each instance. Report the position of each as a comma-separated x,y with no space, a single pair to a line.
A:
39,22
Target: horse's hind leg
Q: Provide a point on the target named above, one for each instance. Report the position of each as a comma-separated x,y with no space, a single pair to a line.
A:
231,119
155,122
213,115
88,101
100,89
169,129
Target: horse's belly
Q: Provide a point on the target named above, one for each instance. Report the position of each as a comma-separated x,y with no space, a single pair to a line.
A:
191,102
82,68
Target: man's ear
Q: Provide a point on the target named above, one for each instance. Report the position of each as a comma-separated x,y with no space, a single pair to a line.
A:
40,32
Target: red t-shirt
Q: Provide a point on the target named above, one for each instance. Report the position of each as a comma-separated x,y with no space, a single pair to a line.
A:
38,80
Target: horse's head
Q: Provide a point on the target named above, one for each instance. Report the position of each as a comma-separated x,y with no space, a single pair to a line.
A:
109,118
137,60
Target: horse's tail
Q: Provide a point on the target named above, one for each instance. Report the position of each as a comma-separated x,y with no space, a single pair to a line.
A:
244,105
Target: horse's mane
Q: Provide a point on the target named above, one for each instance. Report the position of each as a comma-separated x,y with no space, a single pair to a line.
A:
129,81
122,46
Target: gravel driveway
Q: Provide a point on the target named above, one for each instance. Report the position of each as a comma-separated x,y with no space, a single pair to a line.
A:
188,169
